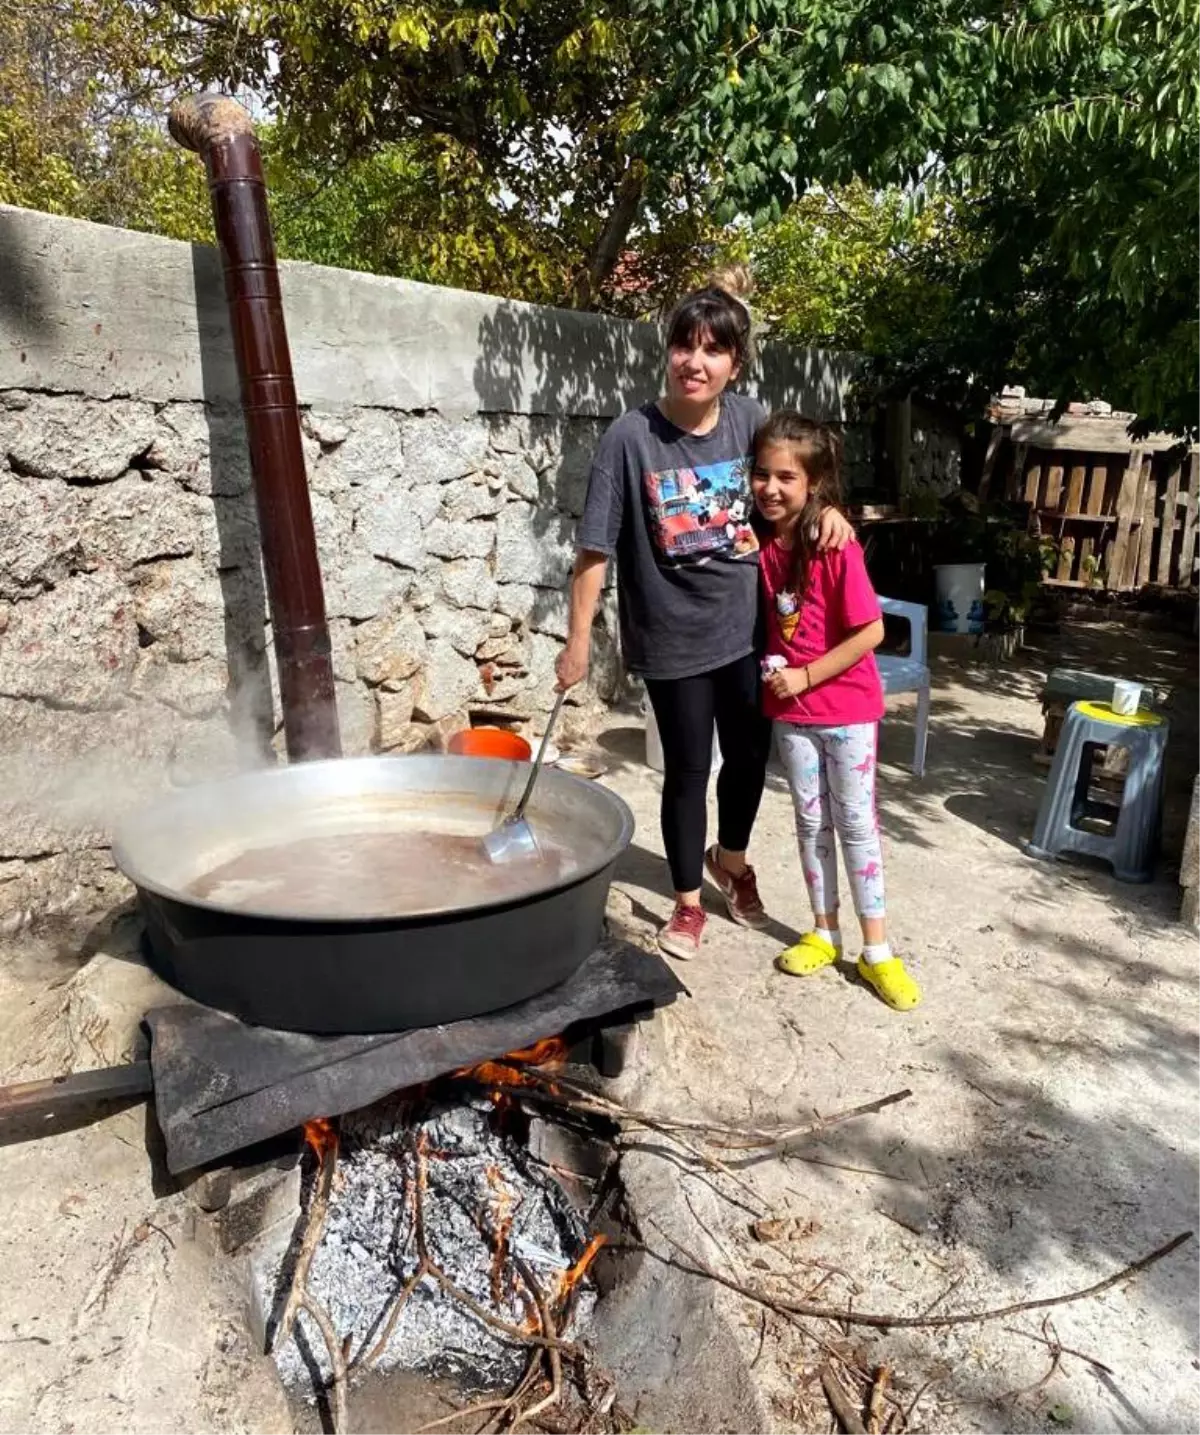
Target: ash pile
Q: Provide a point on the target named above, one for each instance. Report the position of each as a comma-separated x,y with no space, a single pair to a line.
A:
433,1209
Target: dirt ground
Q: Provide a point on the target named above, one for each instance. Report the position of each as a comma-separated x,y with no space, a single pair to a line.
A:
1051,1137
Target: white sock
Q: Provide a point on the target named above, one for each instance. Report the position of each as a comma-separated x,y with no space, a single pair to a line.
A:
832,935
876,952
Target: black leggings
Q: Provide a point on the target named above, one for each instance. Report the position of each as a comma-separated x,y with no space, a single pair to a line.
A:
685,710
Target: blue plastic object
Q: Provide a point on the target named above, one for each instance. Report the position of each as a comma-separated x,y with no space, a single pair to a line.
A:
910,674
1131,842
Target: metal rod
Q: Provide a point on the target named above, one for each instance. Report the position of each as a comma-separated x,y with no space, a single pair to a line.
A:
221,132
519,813
60,1095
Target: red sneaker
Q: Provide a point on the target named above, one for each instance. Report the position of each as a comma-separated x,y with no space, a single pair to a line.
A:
681,936
740,893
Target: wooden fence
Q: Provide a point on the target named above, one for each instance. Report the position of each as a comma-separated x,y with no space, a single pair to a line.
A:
1121,516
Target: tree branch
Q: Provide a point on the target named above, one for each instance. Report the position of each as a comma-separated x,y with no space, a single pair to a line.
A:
613,236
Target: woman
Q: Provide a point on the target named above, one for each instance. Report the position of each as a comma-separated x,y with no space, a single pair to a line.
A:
669,497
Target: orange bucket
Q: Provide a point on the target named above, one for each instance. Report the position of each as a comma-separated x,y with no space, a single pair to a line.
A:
490,742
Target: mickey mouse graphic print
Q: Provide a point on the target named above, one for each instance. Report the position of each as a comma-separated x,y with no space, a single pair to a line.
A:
674,508
698,512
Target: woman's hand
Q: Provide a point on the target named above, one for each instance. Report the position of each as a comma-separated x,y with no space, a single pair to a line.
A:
786,683
571,666
834,531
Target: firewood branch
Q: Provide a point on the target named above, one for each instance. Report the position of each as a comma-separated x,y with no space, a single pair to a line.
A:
314,1228
427,1267
577,1097
691,1265
550,1331
839,1402
875,1411
337,1360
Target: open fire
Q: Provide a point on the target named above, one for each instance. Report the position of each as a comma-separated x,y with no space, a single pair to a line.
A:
435,1240
445,1218
550,1052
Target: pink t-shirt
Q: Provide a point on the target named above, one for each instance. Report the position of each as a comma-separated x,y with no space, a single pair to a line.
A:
839,599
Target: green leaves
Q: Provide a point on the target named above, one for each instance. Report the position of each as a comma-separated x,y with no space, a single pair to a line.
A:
74,131
1071,129
1021,177
407,29
837,269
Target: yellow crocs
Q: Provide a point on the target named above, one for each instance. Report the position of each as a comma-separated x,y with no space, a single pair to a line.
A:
810,954
892,982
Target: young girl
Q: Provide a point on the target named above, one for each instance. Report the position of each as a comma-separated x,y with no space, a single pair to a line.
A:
822,689
668,496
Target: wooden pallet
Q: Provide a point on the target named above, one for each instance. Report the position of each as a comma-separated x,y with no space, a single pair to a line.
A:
1119,522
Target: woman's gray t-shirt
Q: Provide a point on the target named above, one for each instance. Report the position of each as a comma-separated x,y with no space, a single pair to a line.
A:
675,509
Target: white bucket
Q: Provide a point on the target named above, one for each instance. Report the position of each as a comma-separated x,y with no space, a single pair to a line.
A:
958,590
1126,698
654,752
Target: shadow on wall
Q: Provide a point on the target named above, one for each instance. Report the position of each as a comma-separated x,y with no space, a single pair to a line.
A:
239,563
811,380
554,365
557,361
23,277
554,361
563,364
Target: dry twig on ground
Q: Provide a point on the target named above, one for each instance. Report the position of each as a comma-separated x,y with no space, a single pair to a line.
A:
1065,1349
692,1265
575,1095
337,1359
875,1411
497,1408
839,1402
762,1143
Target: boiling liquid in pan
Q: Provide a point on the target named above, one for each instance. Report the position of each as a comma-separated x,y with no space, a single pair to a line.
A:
347,875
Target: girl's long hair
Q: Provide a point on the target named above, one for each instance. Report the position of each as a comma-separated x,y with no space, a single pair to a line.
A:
818,450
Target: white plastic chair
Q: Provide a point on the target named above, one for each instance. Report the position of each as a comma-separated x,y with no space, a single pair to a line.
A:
909,674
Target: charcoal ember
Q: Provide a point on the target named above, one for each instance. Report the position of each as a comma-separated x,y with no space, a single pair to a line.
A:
477,1176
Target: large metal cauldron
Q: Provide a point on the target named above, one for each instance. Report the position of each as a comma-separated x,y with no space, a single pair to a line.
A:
375,970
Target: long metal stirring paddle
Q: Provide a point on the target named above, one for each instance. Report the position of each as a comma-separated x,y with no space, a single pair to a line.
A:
514,838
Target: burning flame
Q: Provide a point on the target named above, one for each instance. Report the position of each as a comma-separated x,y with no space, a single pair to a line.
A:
321,1136
550,1051
570,1279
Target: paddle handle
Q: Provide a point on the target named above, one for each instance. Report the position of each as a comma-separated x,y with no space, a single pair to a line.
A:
519,812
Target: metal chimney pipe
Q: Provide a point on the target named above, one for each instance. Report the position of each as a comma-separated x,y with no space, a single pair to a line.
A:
220,131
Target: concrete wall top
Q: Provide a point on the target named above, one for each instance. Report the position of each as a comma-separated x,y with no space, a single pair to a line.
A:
106,312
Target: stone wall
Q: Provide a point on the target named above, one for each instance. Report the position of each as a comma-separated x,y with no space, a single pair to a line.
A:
447,436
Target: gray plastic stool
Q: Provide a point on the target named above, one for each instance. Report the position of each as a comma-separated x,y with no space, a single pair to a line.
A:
1132,845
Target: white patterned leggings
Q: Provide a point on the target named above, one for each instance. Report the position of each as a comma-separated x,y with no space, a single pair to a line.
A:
831,771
